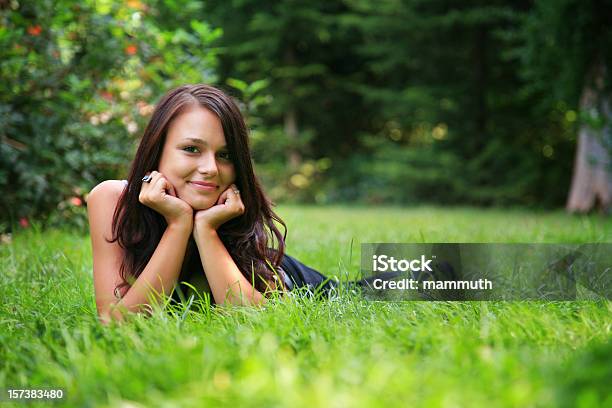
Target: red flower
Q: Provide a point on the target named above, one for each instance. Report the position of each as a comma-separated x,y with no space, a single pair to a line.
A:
107,96
23,221
76,201
131,49
34,30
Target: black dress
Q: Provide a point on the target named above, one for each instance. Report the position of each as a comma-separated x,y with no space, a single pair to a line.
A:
293,273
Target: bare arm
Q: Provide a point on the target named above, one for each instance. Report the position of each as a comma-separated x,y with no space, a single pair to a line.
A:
224,278
161,272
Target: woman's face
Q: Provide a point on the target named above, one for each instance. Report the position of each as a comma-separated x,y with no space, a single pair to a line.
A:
195,159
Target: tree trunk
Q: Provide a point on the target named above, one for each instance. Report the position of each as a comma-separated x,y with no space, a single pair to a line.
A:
482,74
291,130
291,118
592,180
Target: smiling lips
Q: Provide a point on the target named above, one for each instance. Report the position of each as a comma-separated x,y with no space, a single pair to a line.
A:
203,185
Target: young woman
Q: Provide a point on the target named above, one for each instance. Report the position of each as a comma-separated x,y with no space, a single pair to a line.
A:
190,210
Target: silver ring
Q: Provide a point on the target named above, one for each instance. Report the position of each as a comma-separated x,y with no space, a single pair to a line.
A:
236,191
147,179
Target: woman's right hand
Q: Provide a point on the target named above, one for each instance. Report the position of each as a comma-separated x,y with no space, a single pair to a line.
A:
160,195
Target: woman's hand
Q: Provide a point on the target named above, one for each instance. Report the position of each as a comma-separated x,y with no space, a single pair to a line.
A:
160,195
228,206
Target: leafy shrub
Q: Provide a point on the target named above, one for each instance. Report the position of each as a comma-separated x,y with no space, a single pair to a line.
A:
78,83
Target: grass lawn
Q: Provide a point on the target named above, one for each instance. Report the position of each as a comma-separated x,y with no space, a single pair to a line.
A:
303,353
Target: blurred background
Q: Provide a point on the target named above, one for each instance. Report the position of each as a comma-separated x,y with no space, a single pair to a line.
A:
496,103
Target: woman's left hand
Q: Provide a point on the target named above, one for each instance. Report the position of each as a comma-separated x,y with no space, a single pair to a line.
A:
228,206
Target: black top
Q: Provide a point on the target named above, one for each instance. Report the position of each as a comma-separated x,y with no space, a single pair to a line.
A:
294,274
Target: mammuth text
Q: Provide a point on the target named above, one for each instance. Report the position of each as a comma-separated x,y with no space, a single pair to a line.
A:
479,284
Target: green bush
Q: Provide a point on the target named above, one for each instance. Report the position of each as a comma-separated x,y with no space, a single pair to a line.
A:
78,83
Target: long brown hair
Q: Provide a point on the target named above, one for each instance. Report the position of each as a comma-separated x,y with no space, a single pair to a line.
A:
252,239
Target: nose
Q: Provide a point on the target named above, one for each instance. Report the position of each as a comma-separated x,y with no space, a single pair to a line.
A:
208,165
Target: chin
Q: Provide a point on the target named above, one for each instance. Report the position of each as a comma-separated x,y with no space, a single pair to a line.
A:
197,201
197,206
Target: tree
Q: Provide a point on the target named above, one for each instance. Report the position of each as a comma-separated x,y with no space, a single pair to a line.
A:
451,124
305,57
566,57
592,181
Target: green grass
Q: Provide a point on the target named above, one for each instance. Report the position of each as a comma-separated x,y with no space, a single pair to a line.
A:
303,353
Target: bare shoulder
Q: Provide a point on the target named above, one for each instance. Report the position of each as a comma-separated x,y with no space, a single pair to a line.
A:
107,191
107,254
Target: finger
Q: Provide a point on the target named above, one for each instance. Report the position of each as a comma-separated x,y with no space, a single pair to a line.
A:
231,193
143,182
171,189
154,176
152,189
235,194
146,187
159,184
236,201
223,197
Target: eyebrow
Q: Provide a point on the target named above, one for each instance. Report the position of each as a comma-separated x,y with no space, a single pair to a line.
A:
201,142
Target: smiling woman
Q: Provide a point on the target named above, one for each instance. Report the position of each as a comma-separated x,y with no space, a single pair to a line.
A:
191,209
195,159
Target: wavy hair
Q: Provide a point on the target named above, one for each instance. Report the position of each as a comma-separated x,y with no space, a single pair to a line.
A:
252,239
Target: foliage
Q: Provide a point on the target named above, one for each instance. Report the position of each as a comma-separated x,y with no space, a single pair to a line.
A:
78,83
566,48
306,58
448,101
431,85
396,102
561,41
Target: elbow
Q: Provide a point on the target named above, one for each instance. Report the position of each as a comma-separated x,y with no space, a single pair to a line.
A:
118,312
105,318
240,299
109,313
